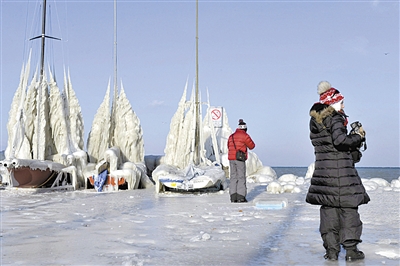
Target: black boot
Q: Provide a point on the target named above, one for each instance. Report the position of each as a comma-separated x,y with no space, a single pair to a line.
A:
234,197
331,255
354,254
241,198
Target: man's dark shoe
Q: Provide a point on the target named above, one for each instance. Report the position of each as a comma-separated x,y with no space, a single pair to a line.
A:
241,198
234,197
354,254
331,255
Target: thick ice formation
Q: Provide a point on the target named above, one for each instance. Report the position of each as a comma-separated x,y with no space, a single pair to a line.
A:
57,119
43,123
180,147
116,137
99,135
42,143
124,131
74,118
30,112
128,135
180,139
45,126
18,143
180,151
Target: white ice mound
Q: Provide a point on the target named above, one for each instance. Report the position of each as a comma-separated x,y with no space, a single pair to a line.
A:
274,187
390,253
287,183
287,178
264,174
300,181
375,183
395,183
380,181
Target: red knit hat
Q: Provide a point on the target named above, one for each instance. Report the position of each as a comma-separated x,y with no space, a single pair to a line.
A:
331,96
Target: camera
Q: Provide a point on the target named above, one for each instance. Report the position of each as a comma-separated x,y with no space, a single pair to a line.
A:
355,127
356,154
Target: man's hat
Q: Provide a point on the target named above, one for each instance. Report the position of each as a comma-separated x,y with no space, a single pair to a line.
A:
242,124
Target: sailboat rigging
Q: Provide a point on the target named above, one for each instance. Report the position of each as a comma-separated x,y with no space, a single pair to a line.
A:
43,37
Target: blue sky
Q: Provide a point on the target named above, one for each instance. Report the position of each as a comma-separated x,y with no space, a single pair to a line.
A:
261,60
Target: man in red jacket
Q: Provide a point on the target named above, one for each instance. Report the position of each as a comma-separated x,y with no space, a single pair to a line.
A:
238,141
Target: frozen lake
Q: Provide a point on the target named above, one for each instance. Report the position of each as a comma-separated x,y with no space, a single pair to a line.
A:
139,227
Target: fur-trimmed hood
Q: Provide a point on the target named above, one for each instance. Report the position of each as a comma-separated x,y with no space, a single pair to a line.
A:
321,111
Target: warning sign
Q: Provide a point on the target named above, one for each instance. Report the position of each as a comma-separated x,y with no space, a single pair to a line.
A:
216,116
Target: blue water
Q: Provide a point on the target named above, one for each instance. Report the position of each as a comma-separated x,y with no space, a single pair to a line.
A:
387,173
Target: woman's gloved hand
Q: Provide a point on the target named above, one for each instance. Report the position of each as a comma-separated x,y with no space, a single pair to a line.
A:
361,132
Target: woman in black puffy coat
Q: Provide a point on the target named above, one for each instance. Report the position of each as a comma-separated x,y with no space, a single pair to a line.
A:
335,184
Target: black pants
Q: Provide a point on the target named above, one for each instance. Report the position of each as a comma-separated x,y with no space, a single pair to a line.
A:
340,226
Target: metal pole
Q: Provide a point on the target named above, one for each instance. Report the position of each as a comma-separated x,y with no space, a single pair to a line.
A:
115,49
115,94
197,130
39,102
43,41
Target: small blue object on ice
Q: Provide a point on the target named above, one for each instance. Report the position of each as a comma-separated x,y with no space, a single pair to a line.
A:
99,180
271,204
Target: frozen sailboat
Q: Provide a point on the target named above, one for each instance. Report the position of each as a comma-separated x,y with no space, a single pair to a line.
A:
186,165
115,143
45,130
179,169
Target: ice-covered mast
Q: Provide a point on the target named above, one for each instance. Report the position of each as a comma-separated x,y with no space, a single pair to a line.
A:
114,100
43,42
43,38
197,129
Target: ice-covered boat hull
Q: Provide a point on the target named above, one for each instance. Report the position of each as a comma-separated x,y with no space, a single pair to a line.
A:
190,185
30,173
29,178
191,178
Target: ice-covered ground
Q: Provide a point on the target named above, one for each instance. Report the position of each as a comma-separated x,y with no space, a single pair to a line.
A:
140,227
